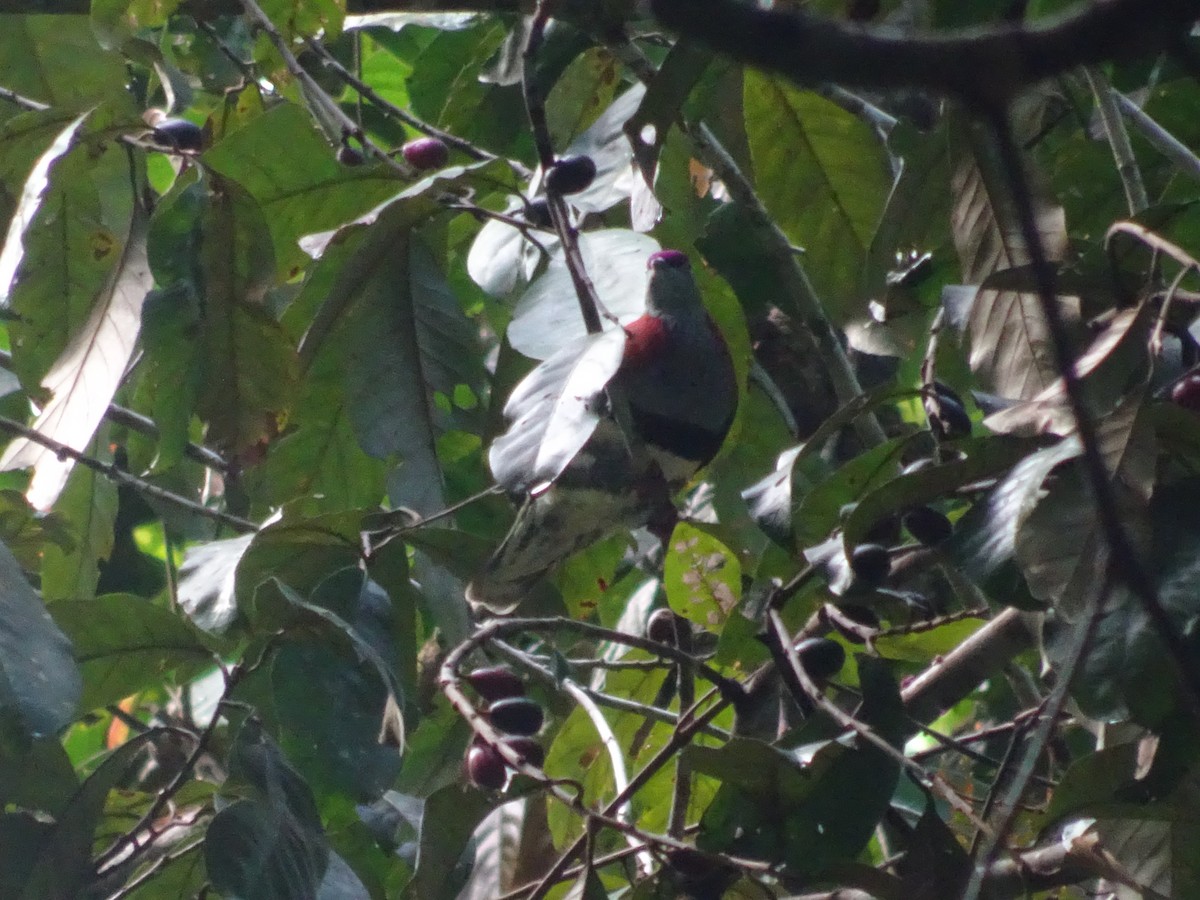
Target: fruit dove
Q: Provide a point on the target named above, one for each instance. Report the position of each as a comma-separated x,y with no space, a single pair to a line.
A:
604,431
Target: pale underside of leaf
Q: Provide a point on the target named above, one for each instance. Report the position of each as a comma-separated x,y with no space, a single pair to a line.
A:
547,317
554,412
84,379
1011,350
31,199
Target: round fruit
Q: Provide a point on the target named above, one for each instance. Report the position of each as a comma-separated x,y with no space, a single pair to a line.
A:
516,715
496,683
1186,392
179,134
485,767
571,174
927,525
530,751
537,213
348,156
885,531
821,657
426,153
947,414
662,627
870,564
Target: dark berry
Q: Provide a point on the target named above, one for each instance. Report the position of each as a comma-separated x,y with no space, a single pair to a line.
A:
426,153
530,751
927,525
516,715
348,156
571,174
885,531
496,683
537,213
179,134
870,564
662,627
947,414
485,767
1186,392
821,657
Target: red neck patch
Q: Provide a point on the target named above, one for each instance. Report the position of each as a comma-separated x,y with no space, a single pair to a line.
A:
645,339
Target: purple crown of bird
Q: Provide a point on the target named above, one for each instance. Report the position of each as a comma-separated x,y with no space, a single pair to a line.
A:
603,432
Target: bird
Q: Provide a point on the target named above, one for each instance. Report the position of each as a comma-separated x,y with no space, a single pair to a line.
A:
645,406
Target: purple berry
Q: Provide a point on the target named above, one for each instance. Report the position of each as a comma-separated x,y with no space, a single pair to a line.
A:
426,153
667,259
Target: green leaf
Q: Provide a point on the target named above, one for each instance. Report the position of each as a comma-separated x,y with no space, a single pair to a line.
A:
328,707
805,816
35,774
55,59
302,190
702,577
824,176
299,553
124,644
978,459
61,865
88,507
74,250
819,511
39,681
83,380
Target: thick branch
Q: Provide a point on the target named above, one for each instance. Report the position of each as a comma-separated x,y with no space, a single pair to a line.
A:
987,65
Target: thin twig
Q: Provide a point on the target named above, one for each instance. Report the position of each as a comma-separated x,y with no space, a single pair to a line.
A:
1124,558
1118,140
616,759
367,92
621,704
24,102
1162,140
122,477
316,94
163,797
845,720
590,306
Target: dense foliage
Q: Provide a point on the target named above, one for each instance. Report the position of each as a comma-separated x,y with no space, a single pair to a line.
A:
926,626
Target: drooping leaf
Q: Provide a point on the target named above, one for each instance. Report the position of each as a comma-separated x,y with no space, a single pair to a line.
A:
61,864
88,506
1060,546
82,382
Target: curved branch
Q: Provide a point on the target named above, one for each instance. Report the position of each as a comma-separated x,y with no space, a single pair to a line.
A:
810,49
